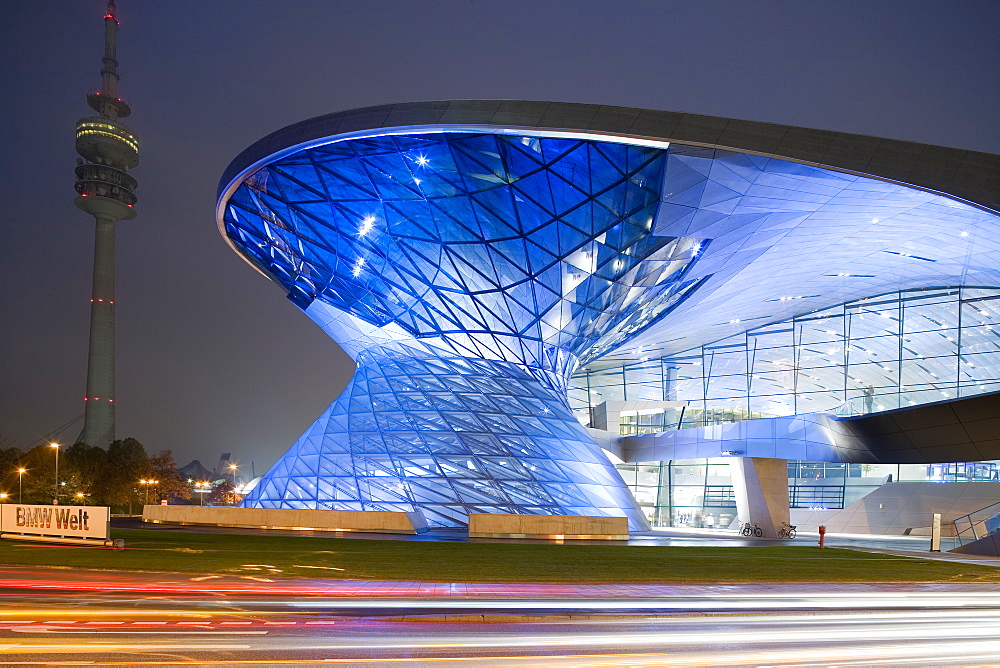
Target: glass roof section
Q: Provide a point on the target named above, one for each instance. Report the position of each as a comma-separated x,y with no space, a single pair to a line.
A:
880,353
788,238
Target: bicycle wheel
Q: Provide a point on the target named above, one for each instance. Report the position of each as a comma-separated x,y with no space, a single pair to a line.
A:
757,532
791,534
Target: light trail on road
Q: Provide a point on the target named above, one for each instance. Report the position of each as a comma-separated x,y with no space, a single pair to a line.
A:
354,606
950,637
133,619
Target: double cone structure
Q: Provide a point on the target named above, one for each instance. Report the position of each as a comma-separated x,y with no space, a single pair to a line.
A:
468,274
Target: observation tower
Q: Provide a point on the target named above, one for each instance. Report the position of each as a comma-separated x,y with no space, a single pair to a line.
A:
106,191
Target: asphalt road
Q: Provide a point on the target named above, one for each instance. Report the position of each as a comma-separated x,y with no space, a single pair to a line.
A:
952,637
75,617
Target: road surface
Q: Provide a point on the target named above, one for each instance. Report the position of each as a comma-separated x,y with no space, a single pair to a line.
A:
58,617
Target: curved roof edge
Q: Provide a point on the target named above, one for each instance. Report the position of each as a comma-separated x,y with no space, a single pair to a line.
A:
969,175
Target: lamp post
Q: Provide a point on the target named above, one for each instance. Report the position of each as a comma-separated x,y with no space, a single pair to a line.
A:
146,484
233,468
56,446
20,472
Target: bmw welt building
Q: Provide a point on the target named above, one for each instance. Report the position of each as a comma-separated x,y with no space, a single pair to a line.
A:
573,309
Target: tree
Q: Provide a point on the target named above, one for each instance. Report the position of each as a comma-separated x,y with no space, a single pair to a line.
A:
105,477
10,460
164,471
126,464
84,466
40,479
223,494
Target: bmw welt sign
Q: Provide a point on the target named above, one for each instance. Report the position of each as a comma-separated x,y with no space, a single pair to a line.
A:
75,521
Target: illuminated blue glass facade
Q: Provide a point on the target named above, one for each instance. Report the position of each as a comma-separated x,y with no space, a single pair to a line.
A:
880,353
447,435
469,275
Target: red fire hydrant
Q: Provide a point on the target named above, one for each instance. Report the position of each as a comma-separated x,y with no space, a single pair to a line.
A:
822,534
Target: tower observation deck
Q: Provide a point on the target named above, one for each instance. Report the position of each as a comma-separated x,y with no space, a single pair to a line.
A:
105,190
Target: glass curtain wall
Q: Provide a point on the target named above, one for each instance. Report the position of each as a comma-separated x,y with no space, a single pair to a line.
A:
891,351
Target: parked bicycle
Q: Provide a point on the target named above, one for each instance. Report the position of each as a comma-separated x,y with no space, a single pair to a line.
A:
787,530
747,529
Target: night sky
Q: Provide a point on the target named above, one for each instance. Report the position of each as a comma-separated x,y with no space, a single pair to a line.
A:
211,356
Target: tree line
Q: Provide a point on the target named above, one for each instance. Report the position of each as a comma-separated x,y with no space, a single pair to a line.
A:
93,476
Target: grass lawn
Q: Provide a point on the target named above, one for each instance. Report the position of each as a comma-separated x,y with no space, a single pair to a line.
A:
340,558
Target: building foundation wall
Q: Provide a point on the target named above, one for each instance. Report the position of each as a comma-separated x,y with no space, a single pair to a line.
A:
288,518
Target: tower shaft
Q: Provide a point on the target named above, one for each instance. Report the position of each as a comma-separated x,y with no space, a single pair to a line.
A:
109,73
99,413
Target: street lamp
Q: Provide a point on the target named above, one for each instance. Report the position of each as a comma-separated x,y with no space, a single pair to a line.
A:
147,483
20,472
3,497
202,488
233,468
56,446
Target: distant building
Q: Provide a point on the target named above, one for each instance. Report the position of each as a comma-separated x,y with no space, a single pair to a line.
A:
196,471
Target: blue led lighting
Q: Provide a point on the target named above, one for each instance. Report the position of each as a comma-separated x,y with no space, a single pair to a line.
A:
469,275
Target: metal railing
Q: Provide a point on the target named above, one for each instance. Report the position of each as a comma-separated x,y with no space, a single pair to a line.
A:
978,524
884,399
684,418
816,496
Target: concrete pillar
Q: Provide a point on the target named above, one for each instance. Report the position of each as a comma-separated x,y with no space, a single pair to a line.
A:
761,488
670,384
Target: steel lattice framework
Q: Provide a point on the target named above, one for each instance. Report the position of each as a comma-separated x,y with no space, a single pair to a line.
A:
468,274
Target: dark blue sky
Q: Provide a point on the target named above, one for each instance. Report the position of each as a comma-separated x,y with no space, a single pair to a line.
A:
211,356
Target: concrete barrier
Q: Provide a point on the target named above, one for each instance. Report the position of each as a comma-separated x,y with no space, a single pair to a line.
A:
567,527
287,518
